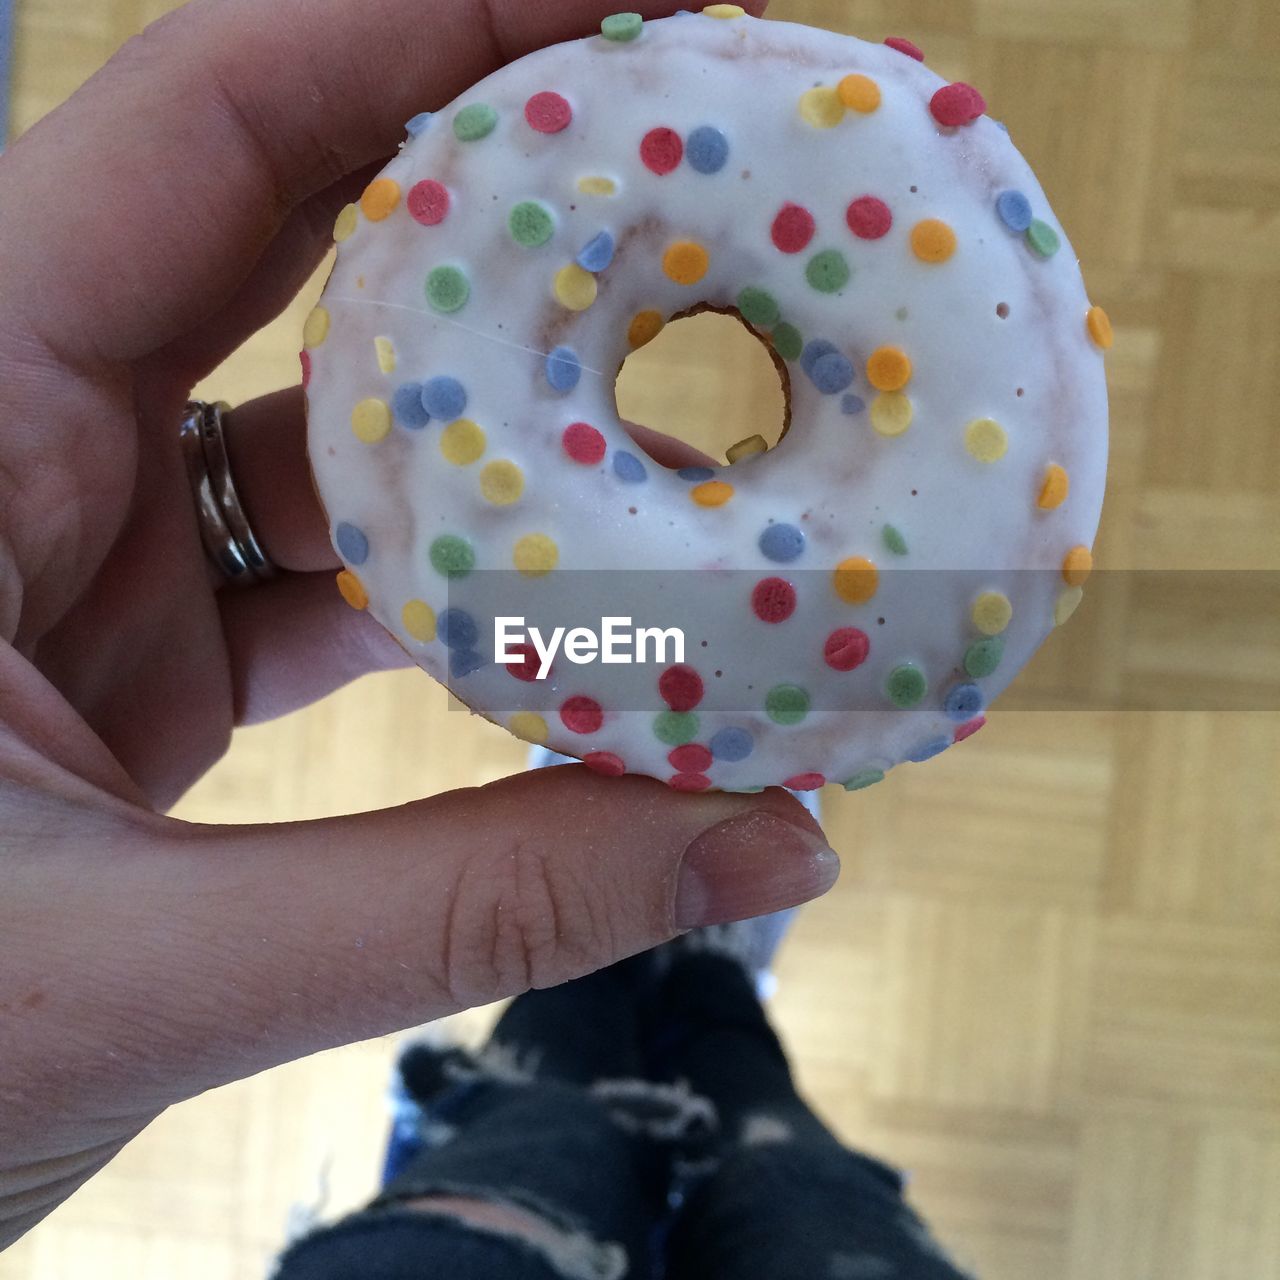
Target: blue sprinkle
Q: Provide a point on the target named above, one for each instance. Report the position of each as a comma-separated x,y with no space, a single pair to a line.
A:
352,545
597,255
927,750
852,404
695,473
963,702
457,629
628,468
564,369
707,149
732,744
462,662
444,398
1000,124
1015,210
408,408
782,543
814,352
832,373
418,124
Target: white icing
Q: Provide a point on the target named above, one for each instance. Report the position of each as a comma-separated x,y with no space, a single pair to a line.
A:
833,476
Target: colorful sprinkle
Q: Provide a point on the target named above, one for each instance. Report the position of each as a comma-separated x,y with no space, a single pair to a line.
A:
694,474
787,704
903,45
605,763
379,199
846,649
986,440
968,730
758,307
501,483
1067,603
1043,238
597,253
462,442
535,555
563,369
304,360
832,373
371,420
781,543
852,404
448,289
859,93
472,123
707,149
458,629
419,123
384,353
793,228
661,150
580,714
529,726
1098,323
866,778
963,702
1077,565
957,104
787,341
932,240
747,448
906,686
527,665
408,407
681,687
805,782
548,113
821,107
419,620
531,224
773,600
352,544
724,11
686,262
888,369
583,443
316,328
1014,210
828,272
891,413
352,590
675,727
575,288
732,744
715,493
345,224
689,782
690,758
1053,488
894,540
645,326
814,351
991,613
428,202
444,398
628,468
869,218
855,580
597,186
927,750
983,656
622,28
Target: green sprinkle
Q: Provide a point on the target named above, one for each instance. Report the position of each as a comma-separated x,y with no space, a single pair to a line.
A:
1043,238
622,27
787,704
477,121
894,540
448,289
828,272
906,686
759,308
866,778
452,556
531,224
983,656
675,728
788,341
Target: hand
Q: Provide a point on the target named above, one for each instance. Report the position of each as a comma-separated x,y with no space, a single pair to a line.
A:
169,209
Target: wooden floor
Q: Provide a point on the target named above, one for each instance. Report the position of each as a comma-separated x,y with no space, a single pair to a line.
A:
1047,983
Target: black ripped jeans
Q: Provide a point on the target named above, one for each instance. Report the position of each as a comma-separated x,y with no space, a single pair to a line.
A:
645,1116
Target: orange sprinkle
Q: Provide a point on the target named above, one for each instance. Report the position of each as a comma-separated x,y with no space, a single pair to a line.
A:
859,93
645,326
352,590
888,369
1099,325
380,197
1053,492
715,493
686,262
856,580
1076,566
932,240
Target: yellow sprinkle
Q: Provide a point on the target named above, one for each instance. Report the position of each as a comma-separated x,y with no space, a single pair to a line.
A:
371,420
535,554
501,483
859,93
645,326
1099,325
386,354
597,186
1067,603
419,620
932,240
747,448
380,197
575,288
686,262
724,11
715,493
1054,489
462,442
986,439
856,580
345,224
316,328
888,369
528,726
891,413
1077,565
992,612
821,107
352,590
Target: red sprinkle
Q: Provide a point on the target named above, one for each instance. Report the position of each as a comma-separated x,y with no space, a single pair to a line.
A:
805,782
662,150
968,729
846,648
957,104
793,228
605,762
304,359
583,443
869,218
581,715
548,113
527,667
680,687
903,45
428,202
689,782
690,759
773,600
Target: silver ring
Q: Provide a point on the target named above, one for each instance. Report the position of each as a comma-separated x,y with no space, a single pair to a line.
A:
225,530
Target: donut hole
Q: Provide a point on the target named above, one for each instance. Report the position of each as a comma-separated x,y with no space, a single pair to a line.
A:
705,384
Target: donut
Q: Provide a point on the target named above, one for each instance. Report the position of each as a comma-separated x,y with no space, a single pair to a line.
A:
849,600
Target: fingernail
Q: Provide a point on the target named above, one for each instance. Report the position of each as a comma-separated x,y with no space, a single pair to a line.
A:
751,865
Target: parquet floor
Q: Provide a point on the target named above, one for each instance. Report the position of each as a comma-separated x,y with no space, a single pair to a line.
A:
1047,983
